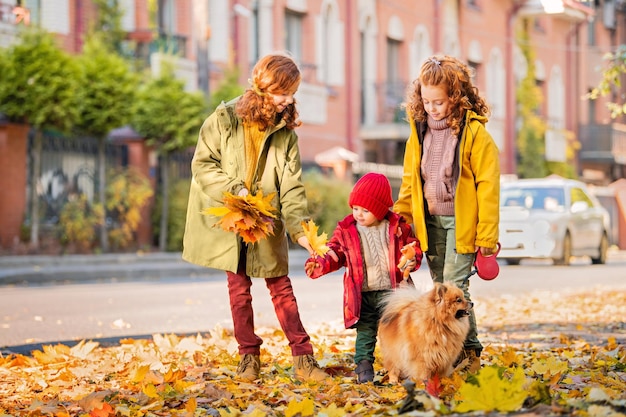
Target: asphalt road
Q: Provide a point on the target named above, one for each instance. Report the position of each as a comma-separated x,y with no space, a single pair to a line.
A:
74,310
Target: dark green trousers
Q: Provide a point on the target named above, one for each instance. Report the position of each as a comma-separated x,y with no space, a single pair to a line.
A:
367,326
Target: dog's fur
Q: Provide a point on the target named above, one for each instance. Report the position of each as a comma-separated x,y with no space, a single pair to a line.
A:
421,334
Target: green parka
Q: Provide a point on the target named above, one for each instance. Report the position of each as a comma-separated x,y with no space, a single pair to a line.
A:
219,166
477,197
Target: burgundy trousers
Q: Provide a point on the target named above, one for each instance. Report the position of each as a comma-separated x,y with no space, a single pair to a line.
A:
285,306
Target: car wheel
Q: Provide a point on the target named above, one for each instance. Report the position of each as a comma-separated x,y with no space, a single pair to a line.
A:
512,261
602,251
567,251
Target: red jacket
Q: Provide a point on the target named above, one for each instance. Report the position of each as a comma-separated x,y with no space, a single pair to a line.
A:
347,245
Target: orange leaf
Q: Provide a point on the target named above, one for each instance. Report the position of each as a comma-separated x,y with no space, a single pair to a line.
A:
105,411
250,216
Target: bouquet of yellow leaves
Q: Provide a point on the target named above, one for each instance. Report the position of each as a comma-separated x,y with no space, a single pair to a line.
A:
317,242
250,216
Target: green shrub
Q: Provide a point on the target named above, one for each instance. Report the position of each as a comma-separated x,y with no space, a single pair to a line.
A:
328,199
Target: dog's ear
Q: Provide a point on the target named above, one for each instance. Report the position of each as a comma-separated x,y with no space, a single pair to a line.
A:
439,292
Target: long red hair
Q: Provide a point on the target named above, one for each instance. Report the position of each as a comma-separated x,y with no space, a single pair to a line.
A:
272,74
456,77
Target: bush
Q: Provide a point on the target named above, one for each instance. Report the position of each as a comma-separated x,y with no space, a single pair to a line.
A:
78,222
128,191
328,199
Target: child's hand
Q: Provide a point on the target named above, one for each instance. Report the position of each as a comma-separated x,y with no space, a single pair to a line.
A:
310,266
333,255
409,265
404,284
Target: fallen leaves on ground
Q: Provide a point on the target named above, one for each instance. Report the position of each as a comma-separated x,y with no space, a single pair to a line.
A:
250,216
545,354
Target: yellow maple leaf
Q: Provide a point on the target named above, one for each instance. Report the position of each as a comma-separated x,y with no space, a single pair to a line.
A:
317,242
493,392
303,408
510,357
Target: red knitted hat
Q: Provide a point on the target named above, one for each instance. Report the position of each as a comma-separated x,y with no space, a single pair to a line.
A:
372,192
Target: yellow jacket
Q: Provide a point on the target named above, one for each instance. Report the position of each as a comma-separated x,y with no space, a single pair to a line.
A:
477,197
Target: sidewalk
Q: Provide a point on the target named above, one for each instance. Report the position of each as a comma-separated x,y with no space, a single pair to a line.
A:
41,269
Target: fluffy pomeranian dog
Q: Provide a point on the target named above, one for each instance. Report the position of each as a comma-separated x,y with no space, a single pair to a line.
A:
421,334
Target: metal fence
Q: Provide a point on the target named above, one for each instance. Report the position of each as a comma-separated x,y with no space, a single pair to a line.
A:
68,166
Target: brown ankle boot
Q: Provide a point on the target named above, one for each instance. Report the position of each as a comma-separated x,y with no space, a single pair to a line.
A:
305,367
249,367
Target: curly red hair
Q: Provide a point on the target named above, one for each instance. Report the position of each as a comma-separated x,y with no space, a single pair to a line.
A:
457,78
272,74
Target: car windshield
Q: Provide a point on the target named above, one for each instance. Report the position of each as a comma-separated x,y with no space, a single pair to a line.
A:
537,198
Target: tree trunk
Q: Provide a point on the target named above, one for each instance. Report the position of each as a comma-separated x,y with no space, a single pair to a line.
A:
165,201
34,188
104,237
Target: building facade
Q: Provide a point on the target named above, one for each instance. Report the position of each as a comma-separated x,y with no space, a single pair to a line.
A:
359,56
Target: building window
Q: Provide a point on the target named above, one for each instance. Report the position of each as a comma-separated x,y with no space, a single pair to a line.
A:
395,87
293,34
475,72
254,35
34,7
168,17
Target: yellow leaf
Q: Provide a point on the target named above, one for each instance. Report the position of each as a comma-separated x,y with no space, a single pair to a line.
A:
140,373
318,243
215,211
303,408
82,349
191,405
510,357
550,367
151,391
332,411
493,392
612,343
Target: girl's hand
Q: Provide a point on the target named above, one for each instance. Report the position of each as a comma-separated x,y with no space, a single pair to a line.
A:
243,192
484,251
304,242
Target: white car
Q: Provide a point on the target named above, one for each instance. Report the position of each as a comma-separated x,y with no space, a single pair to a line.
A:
551,218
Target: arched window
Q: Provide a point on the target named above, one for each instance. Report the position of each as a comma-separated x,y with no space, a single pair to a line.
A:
330,45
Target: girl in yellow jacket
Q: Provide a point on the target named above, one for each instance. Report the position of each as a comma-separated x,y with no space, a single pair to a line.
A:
450,188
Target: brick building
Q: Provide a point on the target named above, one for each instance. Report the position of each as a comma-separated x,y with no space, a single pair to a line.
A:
358,56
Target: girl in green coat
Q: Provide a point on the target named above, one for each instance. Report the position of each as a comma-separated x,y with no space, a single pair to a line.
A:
249,146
